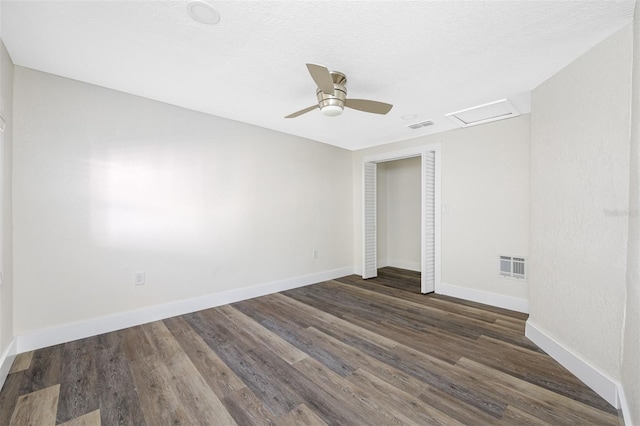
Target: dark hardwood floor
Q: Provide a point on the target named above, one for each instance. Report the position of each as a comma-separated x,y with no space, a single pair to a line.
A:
342,352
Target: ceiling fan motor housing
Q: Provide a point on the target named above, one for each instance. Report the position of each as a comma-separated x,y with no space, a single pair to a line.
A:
339,95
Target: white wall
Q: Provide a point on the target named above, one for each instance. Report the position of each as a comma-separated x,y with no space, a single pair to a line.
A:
579,200
485,185
107,184
6,269
630,371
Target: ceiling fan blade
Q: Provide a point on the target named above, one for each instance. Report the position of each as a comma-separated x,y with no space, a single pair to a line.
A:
368,106
302,111
322,77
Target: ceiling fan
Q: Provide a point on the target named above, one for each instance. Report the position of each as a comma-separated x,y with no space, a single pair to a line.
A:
332,95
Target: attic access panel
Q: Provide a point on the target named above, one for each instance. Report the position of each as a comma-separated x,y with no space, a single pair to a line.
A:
486,113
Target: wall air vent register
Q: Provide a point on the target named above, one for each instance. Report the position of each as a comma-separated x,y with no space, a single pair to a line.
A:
512,267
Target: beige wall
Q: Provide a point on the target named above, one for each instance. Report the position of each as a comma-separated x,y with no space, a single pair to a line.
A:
399,213
107,184
403,213
579,200
485,185
6,263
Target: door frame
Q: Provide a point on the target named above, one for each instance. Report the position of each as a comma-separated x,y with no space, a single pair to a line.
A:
418,151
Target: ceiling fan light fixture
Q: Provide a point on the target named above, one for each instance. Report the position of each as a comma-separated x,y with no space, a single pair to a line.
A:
332,95
331,110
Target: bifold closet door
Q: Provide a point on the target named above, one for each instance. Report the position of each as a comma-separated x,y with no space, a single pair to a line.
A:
369,223
428,268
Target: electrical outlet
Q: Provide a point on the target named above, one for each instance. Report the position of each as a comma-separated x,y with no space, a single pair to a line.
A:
315,253
138,278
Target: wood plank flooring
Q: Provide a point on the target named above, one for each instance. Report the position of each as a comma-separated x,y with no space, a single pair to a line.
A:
342,352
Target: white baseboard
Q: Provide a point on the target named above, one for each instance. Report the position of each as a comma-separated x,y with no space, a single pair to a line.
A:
493,299
69,332
403,264
6,360
601,384
623,406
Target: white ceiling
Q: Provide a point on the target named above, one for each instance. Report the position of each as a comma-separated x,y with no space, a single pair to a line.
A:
427,58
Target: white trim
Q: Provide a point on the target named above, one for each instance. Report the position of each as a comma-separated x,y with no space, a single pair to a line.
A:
601,384
403,264
401,154
480,296
79,330
6,360
623,406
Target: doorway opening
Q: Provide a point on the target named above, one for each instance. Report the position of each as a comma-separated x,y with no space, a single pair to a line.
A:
398,220
429,213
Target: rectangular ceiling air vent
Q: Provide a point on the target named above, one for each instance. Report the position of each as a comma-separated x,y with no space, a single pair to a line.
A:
512,267
420,125
493,111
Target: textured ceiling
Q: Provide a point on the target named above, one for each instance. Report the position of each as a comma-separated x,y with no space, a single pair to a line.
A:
428,58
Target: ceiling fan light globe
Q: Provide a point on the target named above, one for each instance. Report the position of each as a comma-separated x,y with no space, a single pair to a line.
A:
331,110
